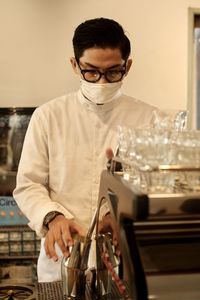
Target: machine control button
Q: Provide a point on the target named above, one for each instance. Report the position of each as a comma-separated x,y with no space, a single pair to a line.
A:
11,213
3,214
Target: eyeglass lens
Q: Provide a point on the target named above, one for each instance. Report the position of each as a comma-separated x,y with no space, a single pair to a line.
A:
110,75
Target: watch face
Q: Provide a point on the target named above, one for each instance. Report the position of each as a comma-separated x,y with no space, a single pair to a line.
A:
50,216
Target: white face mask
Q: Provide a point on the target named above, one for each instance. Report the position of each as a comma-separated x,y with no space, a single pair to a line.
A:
100,93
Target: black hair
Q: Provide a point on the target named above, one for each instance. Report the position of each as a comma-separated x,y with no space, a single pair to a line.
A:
100,33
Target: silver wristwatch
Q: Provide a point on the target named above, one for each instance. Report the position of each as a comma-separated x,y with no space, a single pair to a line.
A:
50,217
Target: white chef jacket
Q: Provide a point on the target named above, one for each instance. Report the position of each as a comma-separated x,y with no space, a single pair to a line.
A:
63,156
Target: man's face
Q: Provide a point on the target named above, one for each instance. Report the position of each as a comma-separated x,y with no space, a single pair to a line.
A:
101,60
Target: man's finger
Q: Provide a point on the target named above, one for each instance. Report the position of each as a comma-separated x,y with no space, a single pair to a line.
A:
64,248
49,246
109,153
66,236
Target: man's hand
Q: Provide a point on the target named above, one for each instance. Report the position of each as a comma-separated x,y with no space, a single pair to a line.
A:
60,232
117,165
109,153
109,156
109,225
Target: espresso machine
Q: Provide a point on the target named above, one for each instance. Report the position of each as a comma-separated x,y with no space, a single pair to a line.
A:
158,231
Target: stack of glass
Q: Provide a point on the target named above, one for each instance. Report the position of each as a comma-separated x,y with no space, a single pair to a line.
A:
162,158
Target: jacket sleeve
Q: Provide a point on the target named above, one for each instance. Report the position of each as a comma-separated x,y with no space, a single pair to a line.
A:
32,192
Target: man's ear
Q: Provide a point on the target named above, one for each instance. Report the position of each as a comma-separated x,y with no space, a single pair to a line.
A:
74,64
128,65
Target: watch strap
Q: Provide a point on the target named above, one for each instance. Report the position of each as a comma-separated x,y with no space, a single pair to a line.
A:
50,217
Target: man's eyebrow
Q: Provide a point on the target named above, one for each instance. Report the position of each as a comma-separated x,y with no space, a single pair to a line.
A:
95,67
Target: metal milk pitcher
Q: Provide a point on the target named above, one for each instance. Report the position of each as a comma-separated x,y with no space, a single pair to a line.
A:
73,271
74,268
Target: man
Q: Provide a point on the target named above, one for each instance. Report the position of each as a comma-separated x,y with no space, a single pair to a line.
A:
64,148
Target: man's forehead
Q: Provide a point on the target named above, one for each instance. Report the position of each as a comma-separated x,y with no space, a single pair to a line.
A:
102,58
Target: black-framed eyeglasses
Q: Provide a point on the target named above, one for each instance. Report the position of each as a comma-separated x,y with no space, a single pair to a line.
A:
111,75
